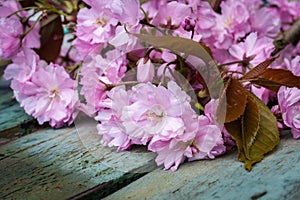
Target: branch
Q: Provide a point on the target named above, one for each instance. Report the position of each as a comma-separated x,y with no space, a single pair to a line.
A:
290,36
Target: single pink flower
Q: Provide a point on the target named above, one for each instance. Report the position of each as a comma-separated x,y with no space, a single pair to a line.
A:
208,140
154,111
95,25
50,95
231,25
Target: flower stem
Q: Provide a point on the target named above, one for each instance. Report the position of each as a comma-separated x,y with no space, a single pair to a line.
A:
232,63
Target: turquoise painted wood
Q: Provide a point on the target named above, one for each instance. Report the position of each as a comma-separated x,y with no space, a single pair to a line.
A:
70,163
14,122
276,177
54,164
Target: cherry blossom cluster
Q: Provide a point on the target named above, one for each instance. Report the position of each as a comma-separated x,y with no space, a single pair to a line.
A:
132,90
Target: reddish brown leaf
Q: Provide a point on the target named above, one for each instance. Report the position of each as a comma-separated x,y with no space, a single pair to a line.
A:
267,136
51,38
274,78
259,69
250,124
235,99
255,132
234,128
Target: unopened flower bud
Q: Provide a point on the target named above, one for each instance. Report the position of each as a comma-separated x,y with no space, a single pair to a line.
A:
189,24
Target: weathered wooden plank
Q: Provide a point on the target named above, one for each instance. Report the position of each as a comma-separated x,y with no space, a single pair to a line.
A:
276,177
54,164
14,122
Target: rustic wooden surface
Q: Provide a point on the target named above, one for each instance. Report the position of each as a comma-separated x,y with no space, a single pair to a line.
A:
276,177
70,163
54,164
14,122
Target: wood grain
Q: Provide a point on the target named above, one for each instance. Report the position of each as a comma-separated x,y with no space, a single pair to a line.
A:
14,122
276,177
54,164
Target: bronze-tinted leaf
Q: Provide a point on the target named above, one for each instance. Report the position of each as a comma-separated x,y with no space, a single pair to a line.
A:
177,45
234,128
250,124
259,69
255,132
51,38
267,135
274,78
236,99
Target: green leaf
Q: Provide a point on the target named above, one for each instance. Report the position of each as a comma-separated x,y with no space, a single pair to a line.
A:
274,78
235,98
255,132
267,136
259,69
250,125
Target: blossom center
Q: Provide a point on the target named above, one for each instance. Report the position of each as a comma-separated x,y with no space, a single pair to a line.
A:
53,93
155,114
228,22
101,22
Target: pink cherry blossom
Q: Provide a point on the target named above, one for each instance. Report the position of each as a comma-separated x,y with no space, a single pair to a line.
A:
125,41
289,103
96,72
202,141
95,25
255,48
232,24
172,152
154,111
49,95
8,7
24,64
110,128
208,141
145,70
288,10
85,49
171,15
11,29
265,23
293,65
